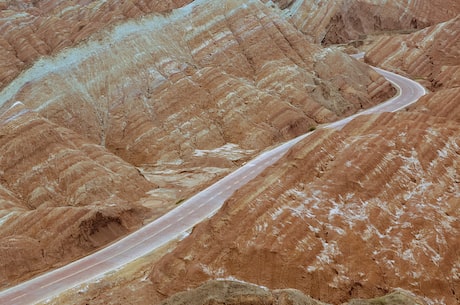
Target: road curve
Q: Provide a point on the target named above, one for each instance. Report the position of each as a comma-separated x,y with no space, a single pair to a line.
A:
178,221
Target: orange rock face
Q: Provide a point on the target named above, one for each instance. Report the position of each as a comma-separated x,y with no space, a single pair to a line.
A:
345,214
351,213
204,77
31,29
60,195
431,54
162,93
331,22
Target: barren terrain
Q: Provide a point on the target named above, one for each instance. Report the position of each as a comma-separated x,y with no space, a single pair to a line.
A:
119,129
114,112
344,21
31,29
431,55
345,214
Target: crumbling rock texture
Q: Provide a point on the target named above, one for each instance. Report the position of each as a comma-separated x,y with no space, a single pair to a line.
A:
226,292
31,29
60,195
443,102
351,213
345,214
158,89
332,22
238,293
432,55
161,90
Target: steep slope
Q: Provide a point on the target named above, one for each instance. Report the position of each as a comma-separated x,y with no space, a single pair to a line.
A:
191,92
443,103
432,54
188,95
332,22
60,195
197,79
31,29
345,214
353,213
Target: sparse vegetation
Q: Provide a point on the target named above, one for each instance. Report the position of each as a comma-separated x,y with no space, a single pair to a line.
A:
178,202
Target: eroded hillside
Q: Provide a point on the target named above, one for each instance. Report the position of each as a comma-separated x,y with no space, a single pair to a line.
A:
31,29
431,55
348,213
226,292
61,196
109,134
332,22
199,78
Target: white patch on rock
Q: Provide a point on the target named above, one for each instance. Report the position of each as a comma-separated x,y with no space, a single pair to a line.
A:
229,151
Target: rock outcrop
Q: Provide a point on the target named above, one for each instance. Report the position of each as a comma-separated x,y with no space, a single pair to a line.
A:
346,214
31,29
226,292
238,293
392,214
165,93
61,196
431,55
332,22
203,76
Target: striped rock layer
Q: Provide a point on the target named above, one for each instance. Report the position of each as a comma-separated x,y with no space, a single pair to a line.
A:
432,55
164,90
31,29
348,214
331,22
60,195
205,75
345,214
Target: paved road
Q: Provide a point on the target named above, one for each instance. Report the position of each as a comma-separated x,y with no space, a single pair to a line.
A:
178,221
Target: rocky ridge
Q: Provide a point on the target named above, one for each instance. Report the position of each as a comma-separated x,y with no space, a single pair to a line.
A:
431,55
92,134
251,90
332,238
332,22
31,29
346,214
53,180
317,220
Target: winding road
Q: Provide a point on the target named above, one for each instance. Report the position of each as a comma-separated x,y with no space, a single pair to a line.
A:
178,221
